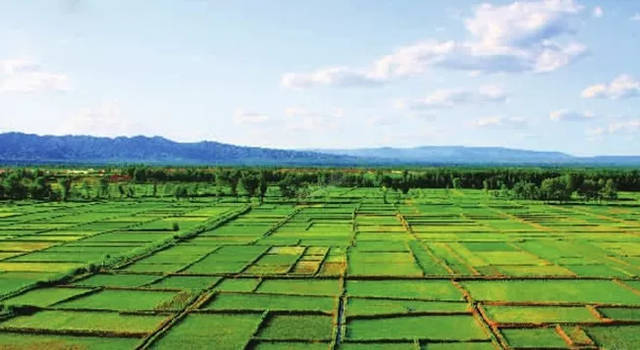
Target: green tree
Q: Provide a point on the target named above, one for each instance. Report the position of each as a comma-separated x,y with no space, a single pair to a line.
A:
234,179
65,184
13,186
40,189
555,189
609,191
589,190
250,182
86,189
104,187
181,192
262,188
288,186
525,190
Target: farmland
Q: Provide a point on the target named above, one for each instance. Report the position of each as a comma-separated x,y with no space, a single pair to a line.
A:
343,269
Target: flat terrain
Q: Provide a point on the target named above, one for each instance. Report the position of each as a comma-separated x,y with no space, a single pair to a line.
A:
439,269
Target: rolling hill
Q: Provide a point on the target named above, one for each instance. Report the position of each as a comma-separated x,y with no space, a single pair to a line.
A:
20,148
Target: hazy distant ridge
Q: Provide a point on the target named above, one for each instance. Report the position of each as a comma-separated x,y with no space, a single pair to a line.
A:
29,148
26,148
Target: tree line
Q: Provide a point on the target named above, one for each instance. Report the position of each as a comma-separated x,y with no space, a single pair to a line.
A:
561,188
520,183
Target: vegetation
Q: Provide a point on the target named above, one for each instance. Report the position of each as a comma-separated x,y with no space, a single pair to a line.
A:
550,184
289,260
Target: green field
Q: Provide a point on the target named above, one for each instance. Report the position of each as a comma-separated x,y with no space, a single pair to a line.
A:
344,269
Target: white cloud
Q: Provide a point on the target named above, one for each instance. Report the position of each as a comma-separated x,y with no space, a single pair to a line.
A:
623,86
628,126
334,76
597,12
448,98
521,24
381,121
26,76
595,132
300,112
635,17
299,118
568,115
242,116
104,120
520,37
501,122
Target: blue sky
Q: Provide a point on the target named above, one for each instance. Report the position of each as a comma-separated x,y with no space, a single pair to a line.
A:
547,75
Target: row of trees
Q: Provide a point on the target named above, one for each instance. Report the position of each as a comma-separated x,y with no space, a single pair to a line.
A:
23,184
525,183
562,188
436,177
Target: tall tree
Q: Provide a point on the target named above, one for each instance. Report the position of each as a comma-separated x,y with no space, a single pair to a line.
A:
65,184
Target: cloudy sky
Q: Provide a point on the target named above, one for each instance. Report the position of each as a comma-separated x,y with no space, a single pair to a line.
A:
547,75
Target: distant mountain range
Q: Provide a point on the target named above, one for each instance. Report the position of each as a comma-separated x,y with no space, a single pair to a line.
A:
20,148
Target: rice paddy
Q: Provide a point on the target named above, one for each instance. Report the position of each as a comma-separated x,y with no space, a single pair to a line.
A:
439,269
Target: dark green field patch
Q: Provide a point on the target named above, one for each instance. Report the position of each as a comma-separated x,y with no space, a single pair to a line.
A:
202,331
456,327
405,289
121,300
261,302
88,322
294,327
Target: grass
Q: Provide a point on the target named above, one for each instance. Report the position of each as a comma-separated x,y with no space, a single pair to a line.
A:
620,314
119,280
300,286
238,284
405,289
421,327
185,282
539,314
63,342
575,291
289,345
293,327
121,300
534,338
261,302
201,331
619,337
44,297
398,280
369,307
88,322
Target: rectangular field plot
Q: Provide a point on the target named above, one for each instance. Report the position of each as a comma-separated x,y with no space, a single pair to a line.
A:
289,345
552,291
122,300
44,296
115,280
300,286
297,327
375,306
537,338
456,327
405,289
201,331
82,322
273,302
185,282
540,314
59,342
